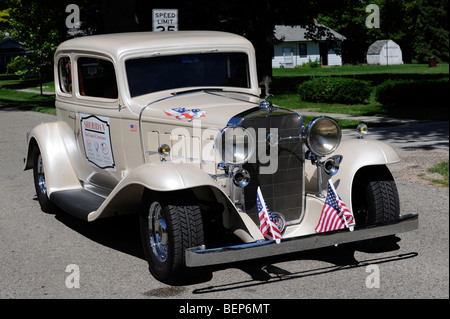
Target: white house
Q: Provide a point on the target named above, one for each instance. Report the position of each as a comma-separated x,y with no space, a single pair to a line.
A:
384,52
295,49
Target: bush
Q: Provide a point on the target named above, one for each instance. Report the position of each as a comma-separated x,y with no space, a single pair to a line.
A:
335,90
412,94
18,65
310,64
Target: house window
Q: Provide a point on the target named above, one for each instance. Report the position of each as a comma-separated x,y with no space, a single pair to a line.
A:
302,50
65,75
97,78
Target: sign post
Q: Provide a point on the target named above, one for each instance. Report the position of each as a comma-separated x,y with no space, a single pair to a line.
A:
165,20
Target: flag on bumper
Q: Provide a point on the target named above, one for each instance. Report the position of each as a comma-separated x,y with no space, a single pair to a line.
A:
335,214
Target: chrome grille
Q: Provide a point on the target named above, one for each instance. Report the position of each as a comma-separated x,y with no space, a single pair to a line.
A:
282,190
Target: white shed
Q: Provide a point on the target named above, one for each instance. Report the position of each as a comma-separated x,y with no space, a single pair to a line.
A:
384,52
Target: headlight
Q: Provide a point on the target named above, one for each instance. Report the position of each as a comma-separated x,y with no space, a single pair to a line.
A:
234,145
323,135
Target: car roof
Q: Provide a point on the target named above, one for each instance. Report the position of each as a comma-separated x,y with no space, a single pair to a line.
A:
118,44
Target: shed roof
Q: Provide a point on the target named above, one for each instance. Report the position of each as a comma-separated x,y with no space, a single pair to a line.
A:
297,33
376,47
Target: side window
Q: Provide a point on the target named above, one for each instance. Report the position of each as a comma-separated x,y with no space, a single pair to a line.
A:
65,75
97,78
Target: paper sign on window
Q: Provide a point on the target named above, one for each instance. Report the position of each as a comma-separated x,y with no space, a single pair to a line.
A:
97,141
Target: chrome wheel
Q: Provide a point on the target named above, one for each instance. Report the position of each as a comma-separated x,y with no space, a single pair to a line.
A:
40,183
168,228
157,230
41,176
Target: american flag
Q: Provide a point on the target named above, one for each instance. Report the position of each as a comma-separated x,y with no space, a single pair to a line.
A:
133,128
335,215
267,226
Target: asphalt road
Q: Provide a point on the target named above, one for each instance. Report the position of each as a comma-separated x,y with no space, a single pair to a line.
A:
41,254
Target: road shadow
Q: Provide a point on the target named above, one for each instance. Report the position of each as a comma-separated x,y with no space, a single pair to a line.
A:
120,233
427,135
264,272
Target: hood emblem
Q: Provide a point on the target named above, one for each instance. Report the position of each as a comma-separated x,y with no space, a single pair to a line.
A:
183,113
266,105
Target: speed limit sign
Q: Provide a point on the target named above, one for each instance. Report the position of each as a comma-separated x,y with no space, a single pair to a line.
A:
165,19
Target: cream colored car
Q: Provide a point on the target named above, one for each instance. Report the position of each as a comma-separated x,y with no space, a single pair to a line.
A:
171,125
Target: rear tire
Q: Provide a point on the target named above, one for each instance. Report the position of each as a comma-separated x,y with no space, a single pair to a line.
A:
40,183
168,228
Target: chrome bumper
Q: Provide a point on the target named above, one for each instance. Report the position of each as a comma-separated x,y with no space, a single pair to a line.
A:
198,256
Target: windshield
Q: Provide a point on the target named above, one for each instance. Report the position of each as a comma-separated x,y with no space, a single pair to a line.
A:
148,75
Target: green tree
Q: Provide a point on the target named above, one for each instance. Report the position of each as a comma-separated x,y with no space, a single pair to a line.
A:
4,19
349,19
427,29
40,27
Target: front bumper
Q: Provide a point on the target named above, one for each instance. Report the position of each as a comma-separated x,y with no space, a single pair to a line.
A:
199,256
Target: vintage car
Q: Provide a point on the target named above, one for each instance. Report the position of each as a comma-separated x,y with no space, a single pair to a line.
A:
171,126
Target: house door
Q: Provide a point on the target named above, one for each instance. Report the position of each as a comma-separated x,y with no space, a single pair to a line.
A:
288,54
323,49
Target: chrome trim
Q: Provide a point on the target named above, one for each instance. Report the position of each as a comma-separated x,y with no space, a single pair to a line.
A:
198,256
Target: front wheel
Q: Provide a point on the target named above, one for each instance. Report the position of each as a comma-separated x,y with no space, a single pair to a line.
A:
375,201
168,228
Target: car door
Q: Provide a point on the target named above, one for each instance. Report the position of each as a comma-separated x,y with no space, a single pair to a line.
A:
98,125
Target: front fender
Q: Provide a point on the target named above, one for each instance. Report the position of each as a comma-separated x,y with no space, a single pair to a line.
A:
168,177
357,153
159,177
53,140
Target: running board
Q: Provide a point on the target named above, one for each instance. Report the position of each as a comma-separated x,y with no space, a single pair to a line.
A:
77,202
199,256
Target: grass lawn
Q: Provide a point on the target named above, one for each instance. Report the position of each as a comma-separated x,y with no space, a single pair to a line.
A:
27,101
442,169
11,97
423,69
285,94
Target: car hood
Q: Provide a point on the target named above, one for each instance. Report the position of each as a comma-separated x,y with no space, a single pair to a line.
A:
213,108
